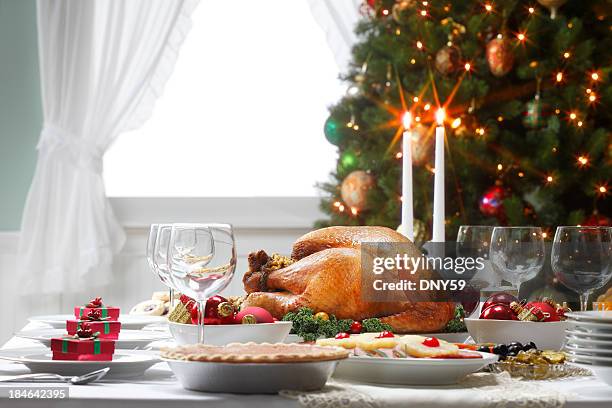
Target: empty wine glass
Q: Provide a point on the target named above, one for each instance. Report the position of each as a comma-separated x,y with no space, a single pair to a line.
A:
581,259
517,253
156,262
201,262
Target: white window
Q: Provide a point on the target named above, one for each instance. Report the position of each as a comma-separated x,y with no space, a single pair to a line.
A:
242,114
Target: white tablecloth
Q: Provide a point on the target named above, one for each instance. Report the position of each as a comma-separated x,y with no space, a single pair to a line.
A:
159,388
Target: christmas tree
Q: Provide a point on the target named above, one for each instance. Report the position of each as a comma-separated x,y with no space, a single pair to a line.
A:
526,89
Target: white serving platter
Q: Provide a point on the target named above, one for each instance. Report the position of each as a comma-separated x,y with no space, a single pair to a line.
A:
125,364
410,371
591,316
128,322
128,339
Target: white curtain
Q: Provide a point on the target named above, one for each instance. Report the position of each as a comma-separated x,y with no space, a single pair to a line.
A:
338,19
103,63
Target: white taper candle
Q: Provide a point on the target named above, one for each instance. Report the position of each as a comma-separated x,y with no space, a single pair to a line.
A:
407,226
438,204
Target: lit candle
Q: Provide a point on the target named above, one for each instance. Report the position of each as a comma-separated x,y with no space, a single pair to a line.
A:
407,226
438,206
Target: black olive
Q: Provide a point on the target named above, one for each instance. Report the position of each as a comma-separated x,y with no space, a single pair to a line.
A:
484,349
514,349
515,343
529,346
501,349
512,353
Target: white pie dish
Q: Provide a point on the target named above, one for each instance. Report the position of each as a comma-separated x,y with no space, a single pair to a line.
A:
546,335
410,370
252,378
221,334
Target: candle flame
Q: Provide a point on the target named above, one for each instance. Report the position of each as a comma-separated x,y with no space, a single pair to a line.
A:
440,116
407,120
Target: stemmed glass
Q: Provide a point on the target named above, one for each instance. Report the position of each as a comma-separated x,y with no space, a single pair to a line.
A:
517,253
473,241
581,259
157,245
201,262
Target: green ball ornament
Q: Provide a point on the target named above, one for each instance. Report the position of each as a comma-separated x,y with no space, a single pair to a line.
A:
332,131
348,160
533,114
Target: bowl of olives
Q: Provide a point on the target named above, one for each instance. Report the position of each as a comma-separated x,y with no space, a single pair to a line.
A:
547,335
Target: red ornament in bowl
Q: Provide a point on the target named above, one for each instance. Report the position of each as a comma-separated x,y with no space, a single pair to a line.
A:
259,314
499,298
549,312
498,312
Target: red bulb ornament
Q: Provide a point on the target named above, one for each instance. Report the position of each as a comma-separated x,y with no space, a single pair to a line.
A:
498,312
502,298
260,315
549,312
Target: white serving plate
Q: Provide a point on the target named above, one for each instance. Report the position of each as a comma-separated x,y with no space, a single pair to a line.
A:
252,378
128,339
602,344
590,326
128,322
591,316
222,334
589,359
546,335
410,371
587,334
125,364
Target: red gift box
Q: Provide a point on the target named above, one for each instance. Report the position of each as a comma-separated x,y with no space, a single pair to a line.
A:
107,329
86,349
106,311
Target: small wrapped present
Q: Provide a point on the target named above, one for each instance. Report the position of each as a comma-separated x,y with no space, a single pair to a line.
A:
79,348
110,312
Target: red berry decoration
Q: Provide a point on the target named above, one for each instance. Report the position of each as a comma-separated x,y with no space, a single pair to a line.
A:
342,335
498,312
260,314
431,342
356,327
502,298
96,302
385,334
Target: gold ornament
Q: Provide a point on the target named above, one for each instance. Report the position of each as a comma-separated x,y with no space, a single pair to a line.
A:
552,6
500,56
399,7
421,145
447,59
355,187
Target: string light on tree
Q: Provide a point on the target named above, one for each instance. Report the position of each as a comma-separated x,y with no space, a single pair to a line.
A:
488,7
559,77
582,161
602,190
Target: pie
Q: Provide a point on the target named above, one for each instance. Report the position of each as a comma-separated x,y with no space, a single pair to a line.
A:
255,353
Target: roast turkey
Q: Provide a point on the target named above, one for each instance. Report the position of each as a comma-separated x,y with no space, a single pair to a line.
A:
324,273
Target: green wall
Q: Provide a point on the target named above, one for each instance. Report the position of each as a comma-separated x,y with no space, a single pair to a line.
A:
20,110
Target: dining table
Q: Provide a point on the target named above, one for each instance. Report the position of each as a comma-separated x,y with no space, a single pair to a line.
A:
158,387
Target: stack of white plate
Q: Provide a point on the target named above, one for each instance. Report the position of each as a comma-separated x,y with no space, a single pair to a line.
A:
589,342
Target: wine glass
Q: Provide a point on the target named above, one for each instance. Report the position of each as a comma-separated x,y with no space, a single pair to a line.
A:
581,259
156,262
517,253
201,262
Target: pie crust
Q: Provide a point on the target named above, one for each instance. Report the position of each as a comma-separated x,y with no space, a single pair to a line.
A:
255,353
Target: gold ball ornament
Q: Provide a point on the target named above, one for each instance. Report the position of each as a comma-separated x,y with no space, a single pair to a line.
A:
421,145
399,7
552,6
500,56
354,189
447,59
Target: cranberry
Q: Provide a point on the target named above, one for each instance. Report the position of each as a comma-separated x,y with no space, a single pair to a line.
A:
385,334
431,342
342,335
356,327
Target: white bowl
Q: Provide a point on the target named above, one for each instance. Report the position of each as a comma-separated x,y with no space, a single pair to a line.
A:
221,334
545,335
257,378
